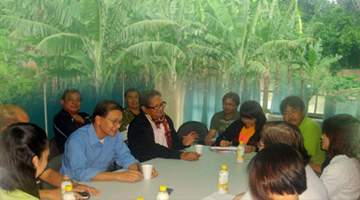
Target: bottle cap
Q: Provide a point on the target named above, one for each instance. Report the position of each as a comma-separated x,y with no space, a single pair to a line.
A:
66,177
223,166
140,199
241,142
68,188
163,188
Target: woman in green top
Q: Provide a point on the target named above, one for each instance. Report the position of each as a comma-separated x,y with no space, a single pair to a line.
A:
24,151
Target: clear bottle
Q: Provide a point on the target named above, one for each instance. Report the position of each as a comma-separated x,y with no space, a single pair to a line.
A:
240,152
69,194
66,181
223,180
163,194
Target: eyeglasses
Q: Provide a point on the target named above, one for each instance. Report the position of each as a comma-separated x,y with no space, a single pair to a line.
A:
114,122
229,104
162,105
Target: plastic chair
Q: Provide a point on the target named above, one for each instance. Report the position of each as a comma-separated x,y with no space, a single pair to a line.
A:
198,127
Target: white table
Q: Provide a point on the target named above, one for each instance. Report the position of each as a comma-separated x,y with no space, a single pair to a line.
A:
189,179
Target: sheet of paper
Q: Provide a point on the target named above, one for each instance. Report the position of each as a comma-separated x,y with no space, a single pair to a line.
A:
218,196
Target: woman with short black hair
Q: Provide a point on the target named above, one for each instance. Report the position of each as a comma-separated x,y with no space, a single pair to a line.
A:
24,151
246,129
283,177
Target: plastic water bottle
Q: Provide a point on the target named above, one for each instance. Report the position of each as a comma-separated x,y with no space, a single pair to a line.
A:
162,195
223,180
66,181
69,194
240,152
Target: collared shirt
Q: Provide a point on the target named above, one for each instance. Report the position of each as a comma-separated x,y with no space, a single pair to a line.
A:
312,140
85,156
159,133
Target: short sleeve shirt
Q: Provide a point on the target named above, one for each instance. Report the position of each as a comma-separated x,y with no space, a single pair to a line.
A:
219,123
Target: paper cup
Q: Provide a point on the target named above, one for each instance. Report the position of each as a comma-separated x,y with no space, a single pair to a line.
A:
147,169
198,148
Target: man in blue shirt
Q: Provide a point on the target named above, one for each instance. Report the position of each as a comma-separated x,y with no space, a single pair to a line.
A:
90,150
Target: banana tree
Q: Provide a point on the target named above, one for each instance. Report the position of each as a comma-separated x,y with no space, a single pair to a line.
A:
73,36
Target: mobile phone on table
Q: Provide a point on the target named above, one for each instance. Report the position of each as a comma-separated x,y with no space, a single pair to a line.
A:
85,195
169,190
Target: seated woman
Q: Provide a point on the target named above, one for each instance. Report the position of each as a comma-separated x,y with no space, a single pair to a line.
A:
290,134
282,178
24,152
341,141
246,129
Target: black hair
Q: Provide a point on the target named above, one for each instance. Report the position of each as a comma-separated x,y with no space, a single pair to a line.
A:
19,143
293,101
232,95
252,109
69,91
130,90
147,96
343,133
277,169
104,107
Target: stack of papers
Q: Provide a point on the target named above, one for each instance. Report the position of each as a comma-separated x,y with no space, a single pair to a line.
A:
224,149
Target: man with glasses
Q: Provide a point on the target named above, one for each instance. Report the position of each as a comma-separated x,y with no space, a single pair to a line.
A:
91,149
12,114
221,120
152,134
69,118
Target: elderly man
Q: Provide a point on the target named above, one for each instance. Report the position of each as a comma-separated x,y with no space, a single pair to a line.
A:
131,111
69,118
11,114
152,134
221,120
91,149
293,110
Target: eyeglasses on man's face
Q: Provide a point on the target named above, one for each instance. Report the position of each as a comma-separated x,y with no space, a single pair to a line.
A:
114,122
162,105
228,104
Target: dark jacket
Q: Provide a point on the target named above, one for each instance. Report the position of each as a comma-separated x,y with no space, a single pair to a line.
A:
232,134
142,142
64,125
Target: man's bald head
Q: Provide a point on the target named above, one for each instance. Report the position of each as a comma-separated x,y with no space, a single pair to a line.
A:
11,114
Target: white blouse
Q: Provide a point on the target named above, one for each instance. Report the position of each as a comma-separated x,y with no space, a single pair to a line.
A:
342,178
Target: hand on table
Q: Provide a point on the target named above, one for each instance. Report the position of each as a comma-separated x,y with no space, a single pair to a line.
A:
129,176
191,156
83,188
154,173
225,143
190,138
208,141
250,148
239,196
79,118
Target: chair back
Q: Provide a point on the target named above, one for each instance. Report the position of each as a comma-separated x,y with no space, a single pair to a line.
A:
54,151
198,127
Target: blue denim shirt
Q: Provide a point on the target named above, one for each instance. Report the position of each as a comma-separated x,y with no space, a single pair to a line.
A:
85,156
